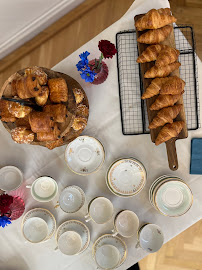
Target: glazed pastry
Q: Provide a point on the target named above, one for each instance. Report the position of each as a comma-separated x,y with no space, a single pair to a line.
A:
154,19
38,73
58,90
151,53
42,98
22,135
49,136
23,122
79,96
167,56
52,144
82,111
41,122
5,115
169,131
164,71
173,86
79,123
154,88
163,101
18,110
28,87
155,36
166,115
58,111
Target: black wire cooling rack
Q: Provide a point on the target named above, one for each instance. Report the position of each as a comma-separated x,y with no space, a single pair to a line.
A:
133,110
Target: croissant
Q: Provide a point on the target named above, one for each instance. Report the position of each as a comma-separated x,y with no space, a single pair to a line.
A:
5,115
79,96
169,131
165,11
22,135
155,36
49,136
58,90
42,98
167,56
18,110
164,71
58,111
79,123
154,19
154,88
166,115
151,53
82,110
41,122
173,86
28,87
163,101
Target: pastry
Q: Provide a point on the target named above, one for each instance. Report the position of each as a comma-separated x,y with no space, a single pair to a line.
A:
79,96
58,111
28,87
18,110
82,111
38,73
23,122
52,144
42,98
154,19
5,115
41,122
173,86
169,131
79,123
164,71
163,101
154,88
165,11
155,36
151,53
167,56
22,135
49,136
58,90
166,115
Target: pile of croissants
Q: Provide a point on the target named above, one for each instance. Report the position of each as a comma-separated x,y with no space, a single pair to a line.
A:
168,89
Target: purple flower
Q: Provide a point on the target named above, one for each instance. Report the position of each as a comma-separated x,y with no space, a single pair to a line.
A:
4,221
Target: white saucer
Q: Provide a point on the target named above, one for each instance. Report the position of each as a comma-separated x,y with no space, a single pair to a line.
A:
46,215
77,226
10,178
126,177
108,239
85,155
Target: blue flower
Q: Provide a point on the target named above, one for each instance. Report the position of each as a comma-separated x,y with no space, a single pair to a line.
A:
83,62
88,75
80,65
4,221
84,55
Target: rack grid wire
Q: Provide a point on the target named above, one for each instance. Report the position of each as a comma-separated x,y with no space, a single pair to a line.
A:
133,110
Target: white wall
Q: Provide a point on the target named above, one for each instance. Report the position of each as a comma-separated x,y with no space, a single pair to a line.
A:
21,20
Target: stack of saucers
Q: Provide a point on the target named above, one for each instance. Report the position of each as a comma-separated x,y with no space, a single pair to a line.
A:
171,196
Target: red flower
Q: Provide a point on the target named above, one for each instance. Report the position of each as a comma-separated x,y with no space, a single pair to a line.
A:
5,202
107,48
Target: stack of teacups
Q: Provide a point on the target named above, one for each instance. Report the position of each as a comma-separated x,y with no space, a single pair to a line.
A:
171,196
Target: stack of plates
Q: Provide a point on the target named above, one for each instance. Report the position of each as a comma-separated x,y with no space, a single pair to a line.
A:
126,177
171,196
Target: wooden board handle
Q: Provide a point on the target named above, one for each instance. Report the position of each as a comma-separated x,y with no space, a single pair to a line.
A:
172,154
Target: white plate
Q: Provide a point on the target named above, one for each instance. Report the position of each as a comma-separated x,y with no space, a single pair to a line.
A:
10,178
126,177
46,215
85,155
77,226
108,239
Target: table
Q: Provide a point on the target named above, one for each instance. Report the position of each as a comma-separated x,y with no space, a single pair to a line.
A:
104,123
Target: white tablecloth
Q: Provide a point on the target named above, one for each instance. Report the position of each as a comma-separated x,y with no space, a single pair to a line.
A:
104,123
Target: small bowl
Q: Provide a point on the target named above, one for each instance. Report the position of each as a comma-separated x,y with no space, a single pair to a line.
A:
11,178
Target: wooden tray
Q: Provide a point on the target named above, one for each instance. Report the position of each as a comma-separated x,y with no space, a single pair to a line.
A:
67,132
170,145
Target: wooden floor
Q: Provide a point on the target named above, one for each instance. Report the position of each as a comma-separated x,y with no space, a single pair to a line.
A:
68,34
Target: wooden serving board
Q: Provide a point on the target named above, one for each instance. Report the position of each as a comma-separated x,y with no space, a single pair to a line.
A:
170,145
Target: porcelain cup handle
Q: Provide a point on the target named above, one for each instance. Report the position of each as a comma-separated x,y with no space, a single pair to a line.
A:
114,232
87,218
29,186
138,245
56,248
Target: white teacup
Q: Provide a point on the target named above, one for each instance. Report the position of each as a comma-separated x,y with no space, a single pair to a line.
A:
44,189
71,199
70,243
10,178
126,224
107,257
151,237
100,210
35,230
